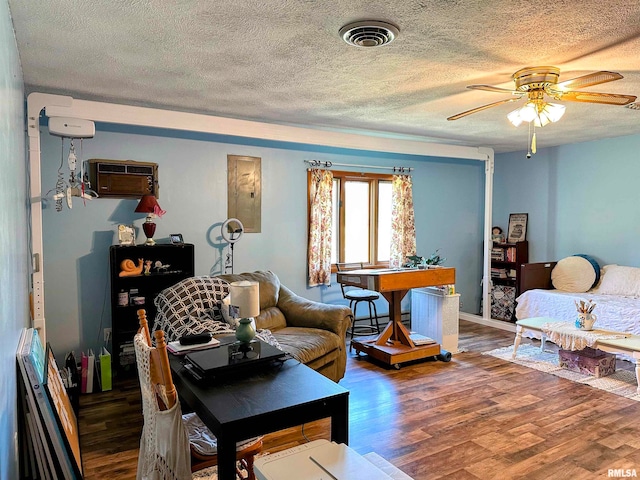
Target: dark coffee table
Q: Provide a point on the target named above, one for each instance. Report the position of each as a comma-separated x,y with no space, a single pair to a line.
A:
257,403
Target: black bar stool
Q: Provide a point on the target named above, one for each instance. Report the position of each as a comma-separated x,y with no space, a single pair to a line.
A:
355,296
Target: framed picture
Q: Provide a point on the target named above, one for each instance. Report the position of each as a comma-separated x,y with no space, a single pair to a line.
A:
126,235
176,238
517,227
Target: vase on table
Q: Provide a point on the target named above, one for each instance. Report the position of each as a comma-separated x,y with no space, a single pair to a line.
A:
585,321
245,331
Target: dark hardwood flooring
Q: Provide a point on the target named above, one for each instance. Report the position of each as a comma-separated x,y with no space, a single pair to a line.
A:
476,417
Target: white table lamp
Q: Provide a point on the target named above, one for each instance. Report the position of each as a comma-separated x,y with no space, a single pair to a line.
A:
245,297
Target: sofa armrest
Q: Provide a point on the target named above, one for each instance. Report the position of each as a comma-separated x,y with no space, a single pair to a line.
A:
302,312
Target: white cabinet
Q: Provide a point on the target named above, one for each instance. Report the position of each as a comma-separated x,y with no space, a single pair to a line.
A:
435,315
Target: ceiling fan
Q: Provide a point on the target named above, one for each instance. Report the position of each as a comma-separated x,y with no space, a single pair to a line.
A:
536,82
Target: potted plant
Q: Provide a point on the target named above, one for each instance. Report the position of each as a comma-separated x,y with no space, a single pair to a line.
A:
415,261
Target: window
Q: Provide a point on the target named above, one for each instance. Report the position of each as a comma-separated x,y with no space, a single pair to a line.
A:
361,218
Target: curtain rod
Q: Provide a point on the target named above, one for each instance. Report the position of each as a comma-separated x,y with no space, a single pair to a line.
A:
327,164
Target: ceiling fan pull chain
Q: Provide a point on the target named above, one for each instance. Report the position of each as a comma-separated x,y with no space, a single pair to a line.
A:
533,141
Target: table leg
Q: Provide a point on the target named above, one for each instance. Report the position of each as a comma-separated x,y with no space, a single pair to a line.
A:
636,357
226,458
340,422
516,342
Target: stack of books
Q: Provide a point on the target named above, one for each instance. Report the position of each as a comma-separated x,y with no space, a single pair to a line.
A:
498,273
419,339
497,254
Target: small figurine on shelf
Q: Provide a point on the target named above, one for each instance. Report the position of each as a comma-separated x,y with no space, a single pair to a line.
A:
147,267
128,268
160,267
496,235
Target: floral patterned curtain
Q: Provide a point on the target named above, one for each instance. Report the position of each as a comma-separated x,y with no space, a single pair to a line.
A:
320,213
403,227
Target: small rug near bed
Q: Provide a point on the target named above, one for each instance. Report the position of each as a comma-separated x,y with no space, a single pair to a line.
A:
622,382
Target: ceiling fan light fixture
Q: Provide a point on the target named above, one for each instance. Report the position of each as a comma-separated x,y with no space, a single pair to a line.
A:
540,113
515,118
552,112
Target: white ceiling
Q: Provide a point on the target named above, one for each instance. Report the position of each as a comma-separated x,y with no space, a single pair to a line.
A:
282,61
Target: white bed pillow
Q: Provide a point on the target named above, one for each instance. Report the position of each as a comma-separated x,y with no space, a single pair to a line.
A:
573,274
620,280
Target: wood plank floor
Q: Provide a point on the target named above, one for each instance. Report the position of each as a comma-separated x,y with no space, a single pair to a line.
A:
476,417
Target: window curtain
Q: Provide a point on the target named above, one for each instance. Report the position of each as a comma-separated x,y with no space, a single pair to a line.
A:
403,226
320,213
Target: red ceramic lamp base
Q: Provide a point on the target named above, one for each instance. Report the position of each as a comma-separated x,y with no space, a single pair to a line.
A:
149,229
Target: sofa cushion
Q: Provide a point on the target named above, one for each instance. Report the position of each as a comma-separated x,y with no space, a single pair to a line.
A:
271,318
269,285
307,344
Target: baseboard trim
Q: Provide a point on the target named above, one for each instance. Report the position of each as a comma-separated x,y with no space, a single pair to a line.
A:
489,322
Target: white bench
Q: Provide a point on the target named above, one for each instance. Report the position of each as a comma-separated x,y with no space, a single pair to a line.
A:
628,346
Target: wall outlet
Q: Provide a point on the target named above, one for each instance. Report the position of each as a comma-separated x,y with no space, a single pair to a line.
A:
107,334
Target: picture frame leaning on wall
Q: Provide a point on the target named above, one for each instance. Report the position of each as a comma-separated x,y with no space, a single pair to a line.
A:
517,227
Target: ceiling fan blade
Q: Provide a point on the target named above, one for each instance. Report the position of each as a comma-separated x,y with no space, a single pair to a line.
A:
491,88
483,107
595,97
588,80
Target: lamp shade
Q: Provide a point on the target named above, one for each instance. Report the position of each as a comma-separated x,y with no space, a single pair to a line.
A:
245,296
147,204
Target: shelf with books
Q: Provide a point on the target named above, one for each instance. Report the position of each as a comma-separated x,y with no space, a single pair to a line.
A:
506,259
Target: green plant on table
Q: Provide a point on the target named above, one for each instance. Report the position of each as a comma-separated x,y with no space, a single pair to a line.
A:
433,259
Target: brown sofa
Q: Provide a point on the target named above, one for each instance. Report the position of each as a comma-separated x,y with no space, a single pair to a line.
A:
314,333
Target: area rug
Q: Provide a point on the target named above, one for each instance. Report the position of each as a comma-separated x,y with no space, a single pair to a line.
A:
622,382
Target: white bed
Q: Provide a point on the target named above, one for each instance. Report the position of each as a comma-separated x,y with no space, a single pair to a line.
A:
616,295
614,312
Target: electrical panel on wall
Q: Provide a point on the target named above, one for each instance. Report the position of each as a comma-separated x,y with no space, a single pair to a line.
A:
244,197
124,178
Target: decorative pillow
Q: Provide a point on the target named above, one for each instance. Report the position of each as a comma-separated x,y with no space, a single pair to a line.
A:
594,264
619,280
573,274
226,315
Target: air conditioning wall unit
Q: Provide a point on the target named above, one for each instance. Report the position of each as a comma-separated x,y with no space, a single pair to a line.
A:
123,178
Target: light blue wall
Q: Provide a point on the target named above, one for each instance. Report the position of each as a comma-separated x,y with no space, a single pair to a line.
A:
14,303
448,197
581,198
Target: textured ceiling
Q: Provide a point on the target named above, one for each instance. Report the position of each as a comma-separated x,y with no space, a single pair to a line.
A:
282,61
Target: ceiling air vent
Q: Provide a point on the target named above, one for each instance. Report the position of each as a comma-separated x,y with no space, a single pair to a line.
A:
369,33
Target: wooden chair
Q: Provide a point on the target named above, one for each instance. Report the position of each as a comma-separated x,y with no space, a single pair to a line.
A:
357,295
161,384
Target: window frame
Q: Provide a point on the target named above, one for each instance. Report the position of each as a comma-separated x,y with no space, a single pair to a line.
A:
373,179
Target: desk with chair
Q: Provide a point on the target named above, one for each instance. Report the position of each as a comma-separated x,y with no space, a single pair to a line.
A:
262,402
172,443
234,408
394,345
